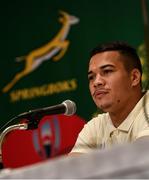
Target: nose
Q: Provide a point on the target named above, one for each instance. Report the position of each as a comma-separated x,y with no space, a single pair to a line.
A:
99,81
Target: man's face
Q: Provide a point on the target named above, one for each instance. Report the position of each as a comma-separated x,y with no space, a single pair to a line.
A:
109,82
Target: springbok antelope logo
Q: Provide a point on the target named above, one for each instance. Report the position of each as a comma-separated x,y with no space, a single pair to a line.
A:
55,50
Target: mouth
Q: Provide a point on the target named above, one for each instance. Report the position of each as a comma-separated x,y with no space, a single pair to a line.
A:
100,93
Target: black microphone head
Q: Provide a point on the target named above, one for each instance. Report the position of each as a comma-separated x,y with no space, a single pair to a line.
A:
70,107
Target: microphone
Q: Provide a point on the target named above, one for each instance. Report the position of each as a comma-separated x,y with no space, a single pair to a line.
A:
67,108
33,117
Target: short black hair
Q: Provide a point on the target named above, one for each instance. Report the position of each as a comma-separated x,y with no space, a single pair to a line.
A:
133,60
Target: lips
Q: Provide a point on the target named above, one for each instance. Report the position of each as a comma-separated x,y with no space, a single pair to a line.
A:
100,93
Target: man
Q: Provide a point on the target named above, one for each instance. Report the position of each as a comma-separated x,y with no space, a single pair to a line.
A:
115,85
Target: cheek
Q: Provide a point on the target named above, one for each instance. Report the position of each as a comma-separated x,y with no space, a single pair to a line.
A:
91,89
120,83
119,90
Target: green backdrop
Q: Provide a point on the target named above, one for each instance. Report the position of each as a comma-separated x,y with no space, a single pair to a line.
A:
28,29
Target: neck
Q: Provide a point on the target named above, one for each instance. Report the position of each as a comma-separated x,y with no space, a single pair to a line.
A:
121,114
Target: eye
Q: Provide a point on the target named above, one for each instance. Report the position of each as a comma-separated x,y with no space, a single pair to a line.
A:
90,77
107,71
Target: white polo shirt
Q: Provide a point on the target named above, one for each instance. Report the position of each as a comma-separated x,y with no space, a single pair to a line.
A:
100,132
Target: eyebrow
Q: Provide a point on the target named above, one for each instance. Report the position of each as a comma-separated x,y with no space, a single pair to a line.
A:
102,67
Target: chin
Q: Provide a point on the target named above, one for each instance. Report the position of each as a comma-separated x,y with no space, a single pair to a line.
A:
105,107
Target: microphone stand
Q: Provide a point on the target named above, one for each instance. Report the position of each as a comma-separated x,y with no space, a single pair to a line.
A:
32,121
22,126
33,118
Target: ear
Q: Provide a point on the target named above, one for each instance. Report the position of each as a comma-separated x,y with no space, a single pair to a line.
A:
135,77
